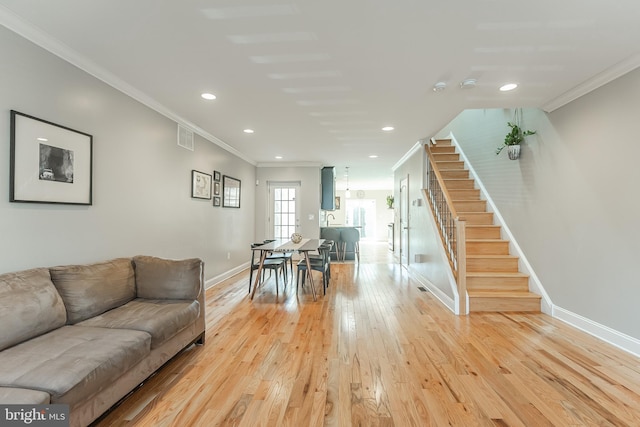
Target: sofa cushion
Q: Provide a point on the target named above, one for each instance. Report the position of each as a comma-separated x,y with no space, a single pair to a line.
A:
72,363
162,319
91,289
23,396
158,278
29,306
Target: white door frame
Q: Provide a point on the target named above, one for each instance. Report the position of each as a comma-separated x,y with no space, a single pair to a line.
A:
271,186
404,221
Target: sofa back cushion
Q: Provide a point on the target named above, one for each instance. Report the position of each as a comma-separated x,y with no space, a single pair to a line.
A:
29,306
158,278
91,289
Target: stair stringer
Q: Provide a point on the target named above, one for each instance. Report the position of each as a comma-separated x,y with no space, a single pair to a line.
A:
535,286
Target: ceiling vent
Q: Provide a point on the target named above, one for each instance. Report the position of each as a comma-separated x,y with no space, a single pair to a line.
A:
185,137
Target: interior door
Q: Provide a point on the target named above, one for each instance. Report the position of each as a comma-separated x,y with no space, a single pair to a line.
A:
284,216
404,221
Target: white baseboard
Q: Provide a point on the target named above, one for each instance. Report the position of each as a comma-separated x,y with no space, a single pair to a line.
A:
224,276
605,333
437,292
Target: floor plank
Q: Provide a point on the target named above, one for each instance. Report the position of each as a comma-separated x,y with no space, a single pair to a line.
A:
375,351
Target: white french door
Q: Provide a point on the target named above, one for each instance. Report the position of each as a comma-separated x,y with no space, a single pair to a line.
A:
284,215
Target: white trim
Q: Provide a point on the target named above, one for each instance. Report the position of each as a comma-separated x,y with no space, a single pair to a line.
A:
608,75
289,165
408,154
16,24
224,276
535,285
606,334
437,292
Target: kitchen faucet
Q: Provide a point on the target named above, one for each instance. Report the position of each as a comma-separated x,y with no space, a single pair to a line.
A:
330,215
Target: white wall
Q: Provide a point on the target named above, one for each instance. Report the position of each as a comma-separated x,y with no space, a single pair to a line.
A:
425,248
141,178
571,200
309,179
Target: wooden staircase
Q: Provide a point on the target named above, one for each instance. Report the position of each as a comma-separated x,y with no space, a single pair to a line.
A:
494,282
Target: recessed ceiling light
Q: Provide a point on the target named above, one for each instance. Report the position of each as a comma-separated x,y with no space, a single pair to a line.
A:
42,139
387,128
508,87
468,84
278,157
248,131
373,156
439,87
208,96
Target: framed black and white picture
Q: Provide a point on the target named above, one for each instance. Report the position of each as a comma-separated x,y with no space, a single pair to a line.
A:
200,185
216,188
216,176
49,163
230,192
216,201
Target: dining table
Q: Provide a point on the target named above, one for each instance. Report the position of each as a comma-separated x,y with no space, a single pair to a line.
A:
303,247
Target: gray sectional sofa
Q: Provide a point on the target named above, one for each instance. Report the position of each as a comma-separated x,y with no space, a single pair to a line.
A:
87,335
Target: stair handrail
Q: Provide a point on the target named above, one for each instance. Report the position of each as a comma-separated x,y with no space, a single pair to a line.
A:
451,227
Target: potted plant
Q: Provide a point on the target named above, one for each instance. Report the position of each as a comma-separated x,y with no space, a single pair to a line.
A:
390,202
514,138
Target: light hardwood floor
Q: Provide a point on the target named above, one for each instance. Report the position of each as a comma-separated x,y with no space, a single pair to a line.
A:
376,351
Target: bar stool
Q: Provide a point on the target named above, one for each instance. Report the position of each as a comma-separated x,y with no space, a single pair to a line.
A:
350,239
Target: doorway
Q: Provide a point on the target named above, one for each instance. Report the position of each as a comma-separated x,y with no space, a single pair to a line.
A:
404,221
284,216
361,213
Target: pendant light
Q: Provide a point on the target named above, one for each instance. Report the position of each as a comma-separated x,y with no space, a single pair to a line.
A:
347,193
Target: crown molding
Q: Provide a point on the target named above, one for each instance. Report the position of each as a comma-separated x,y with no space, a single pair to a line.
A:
601,79
289,165
40,38
418,145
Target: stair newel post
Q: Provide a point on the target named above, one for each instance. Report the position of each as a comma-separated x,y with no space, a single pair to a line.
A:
461,256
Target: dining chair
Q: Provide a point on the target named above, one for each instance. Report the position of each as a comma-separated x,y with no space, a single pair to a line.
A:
269,264
287,256
330,244
320,264
329,233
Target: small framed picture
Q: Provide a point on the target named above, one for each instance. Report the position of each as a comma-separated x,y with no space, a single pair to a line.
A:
216,201
337,203
216,176
200,185
216,188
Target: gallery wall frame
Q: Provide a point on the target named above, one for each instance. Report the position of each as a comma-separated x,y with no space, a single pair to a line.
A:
216,188
230,192
200,185
216,176
49,163
216,201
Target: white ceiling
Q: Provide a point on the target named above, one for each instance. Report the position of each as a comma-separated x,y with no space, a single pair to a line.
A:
317,80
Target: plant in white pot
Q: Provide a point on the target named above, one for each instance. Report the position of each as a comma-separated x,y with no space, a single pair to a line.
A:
514,138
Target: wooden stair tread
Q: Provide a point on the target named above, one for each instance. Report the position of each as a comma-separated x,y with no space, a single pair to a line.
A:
496,274
502,294
485,240
491,256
